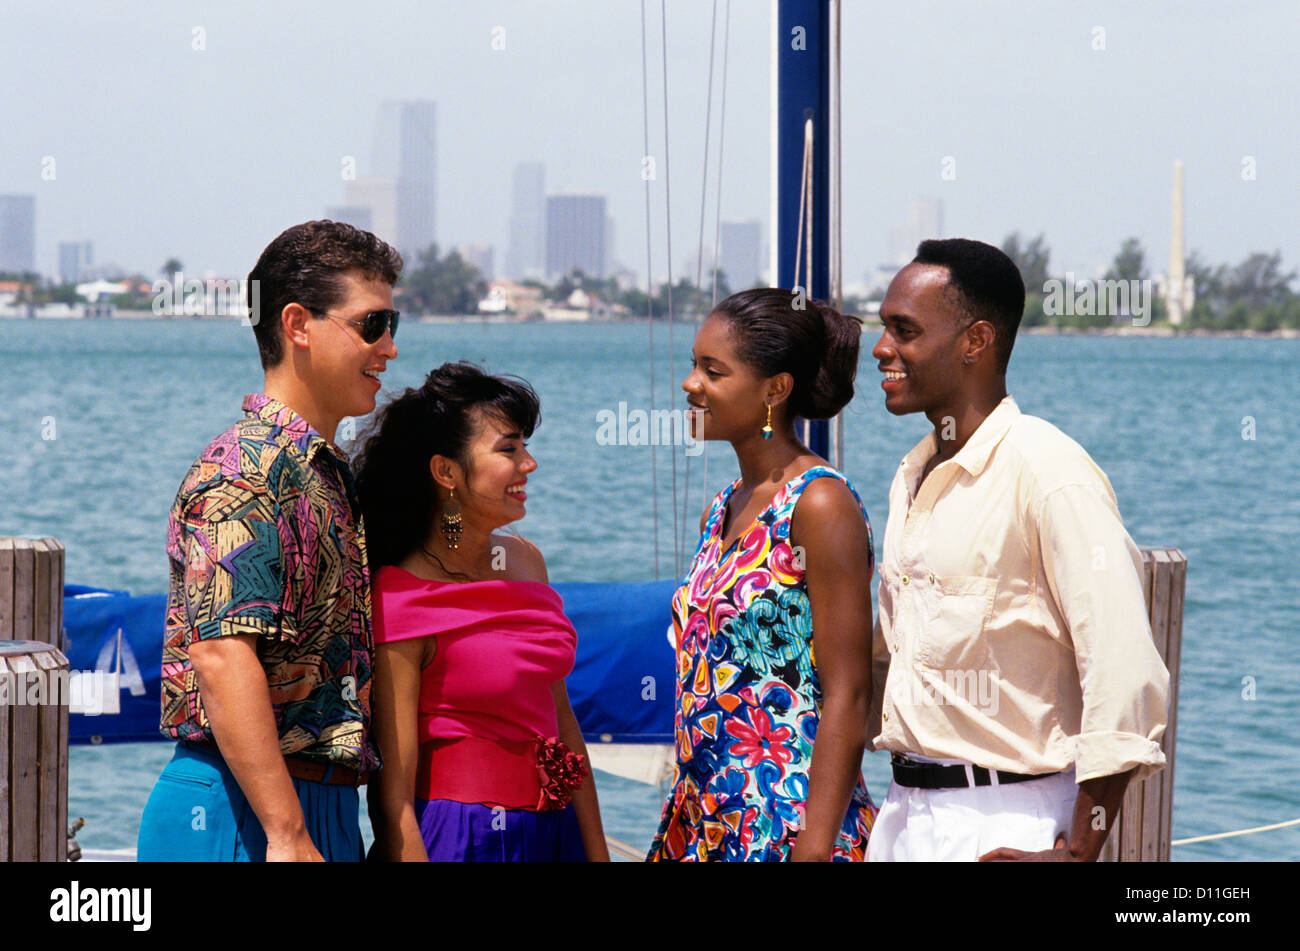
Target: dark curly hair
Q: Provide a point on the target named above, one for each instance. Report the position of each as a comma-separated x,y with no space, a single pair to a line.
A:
778,331
305,265
396,489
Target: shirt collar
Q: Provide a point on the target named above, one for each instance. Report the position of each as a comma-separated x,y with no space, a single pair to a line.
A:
973,456
284,419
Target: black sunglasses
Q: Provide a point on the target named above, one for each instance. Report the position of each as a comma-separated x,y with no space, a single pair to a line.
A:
372,325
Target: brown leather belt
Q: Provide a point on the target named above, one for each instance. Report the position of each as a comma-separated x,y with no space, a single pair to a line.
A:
315,771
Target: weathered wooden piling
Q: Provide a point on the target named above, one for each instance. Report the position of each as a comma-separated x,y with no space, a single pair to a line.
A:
1143,830
34,702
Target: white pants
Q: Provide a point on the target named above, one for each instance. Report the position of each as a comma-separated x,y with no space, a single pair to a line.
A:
960,825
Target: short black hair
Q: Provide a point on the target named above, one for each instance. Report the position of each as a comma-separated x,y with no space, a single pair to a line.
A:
305,265
987,282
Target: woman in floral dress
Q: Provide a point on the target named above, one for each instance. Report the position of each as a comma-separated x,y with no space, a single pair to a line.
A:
773,620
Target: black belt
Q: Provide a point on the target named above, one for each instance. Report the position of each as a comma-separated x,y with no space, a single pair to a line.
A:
916,775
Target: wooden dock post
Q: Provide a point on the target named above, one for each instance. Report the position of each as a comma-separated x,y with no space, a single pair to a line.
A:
33,736
1142,832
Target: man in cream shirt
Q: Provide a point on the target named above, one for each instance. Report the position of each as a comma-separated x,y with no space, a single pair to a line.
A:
1016,684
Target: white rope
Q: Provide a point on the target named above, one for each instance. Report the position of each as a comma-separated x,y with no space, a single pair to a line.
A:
805,226
1229,835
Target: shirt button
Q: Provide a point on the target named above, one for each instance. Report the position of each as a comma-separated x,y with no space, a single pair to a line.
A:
885,715
895,647
906,580
932,577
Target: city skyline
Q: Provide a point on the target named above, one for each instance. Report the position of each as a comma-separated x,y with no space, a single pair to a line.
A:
1003,154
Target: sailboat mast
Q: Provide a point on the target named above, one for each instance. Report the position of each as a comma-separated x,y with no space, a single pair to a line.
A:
805,58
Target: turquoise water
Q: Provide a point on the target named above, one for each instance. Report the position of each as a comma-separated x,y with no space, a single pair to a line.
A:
129,403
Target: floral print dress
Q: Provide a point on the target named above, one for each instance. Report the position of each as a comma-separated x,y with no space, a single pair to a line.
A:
748,696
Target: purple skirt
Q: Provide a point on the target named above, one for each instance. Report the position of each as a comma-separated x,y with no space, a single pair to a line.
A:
471,832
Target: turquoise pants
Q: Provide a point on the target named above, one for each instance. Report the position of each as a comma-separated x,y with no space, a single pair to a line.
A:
198,813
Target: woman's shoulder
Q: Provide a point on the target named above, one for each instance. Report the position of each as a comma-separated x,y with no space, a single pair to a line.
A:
822,493
518,559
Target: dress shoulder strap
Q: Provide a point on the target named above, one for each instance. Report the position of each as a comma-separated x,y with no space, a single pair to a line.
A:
784,507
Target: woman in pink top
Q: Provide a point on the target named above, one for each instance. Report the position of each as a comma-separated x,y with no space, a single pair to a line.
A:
483,757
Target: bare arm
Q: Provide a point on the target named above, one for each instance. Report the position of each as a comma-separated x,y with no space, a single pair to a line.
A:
829,528
584,797
237,701
395,700
532,567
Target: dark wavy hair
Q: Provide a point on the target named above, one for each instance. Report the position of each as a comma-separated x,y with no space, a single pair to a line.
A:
398,499
777,331
987,286
305,265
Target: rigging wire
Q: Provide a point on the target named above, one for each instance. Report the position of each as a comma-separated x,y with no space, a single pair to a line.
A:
717,203
668,215
650,285
699,254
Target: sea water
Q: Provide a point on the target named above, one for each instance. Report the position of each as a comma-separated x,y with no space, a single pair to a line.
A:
101,420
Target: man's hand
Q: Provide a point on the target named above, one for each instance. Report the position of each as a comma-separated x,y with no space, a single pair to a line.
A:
1060,852
293,848
1096,807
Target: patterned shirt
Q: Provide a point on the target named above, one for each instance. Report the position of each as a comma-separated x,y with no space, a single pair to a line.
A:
265,538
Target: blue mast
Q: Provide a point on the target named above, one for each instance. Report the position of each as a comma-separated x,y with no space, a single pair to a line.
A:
803,61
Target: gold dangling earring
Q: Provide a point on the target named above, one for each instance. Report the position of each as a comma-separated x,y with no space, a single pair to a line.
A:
451,527
767,430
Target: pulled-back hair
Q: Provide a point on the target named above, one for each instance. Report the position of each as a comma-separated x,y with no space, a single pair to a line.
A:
778,331
306,265
396,488
988,286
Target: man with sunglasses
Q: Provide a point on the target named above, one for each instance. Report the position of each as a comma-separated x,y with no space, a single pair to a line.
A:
267,650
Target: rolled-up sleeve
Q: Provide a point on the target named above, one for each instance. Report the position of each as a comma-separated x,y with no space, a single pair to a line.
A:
234,563
1094,572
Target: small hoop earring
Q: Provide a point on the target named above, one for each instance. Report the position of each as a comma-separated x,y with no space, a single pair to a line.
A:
451,522
767,430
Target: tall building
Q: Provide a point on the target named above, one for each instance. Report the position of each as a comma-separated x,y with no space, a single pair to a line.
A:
480,256
924,220
358,216
527,221
17,233
740,254
75,259
576,230
404,150
378,196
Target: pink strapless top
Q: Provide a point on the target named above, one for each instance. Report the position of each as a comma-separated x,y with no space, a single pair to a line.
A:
502,645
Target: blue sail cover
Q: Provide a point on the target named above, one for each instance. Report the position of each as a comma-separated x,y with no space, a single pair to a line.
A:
621,688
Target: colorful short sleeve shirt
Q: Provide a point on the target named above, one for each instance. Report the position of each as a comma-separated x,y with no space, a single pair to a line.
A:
266,538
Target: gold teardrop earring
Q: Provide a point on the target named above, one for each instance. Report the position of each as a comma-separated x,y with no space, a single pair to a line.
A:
767,429
451,522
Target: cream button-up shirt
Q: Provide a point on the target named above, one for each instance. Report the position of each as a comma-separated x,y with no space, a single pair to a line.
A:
1012,629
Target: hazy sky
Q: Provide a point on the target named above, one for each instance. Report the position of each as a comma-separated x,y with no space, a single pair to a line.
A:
162,149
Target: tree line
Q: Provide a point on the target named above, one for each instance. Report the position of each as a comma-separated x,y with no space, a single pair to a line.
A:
1256,294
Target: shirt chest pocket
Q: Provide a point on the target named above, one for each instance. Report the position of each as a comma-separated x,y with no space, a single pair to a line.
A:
956,610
